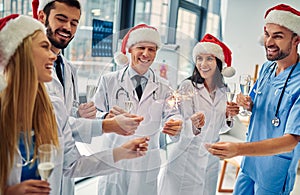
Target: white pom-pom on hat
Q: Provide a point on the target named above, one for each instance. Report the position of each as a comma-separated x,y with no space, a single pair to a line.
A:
2,82
228,71
121,59
211,45
284,15
139,33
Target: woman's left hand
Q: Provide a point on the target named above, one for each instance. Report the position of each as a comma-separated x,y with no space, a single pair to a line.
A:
198,120
232,109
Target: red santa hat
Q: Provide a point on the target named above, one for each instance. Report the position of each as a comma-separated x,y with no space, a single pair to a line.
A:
284,15
13,29
139,33
211,45
38,5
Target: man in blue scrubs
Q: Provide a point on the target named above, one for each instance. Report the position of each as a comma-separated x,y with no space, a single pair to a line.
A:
272,150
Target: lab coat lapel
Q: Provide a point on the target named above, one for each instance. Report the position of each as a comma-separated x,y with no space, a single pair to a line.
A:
55,87
149,89
219,95
204,93
69,94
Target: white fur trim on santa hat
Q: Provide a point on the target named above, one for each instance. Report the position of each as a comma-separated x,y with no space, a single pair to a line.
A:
208,48
43,3
284,18
13,33
216,50
144,35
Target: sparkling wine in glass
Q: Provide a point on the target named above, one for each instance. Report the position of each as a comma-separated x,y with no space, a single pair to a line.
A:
90,92
91,87
230,92
245,83
46,157
128,106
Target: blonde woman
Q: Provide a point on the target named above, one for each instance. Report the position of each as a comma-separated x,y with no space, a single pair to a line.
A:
27,119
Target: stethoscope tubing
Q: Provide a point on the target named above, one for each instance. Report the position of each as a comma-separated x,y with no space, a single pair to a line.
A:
276,121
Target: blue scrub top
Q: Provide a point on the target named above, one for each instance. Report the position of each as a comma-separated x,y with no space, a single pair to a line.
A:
29,171
274,173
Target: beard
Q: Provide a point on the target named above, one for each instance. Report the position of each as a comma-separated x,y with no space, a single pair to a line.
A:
281,53
60,44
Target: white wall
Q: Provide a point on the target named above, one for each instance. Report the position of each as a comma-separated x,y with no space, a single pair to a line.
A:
243,27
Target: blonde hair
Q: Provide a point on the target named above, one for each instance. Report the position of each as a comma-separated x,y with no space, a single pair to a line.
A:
24,106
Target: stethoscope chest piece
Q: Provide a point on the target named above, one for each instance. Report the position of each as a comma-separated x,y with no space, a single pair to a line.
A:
275,122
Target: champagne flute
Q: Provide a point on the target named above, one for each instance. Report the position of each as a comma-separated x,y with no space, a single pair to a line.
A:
230,92
90,91
46,157
91,87
245,82
128,105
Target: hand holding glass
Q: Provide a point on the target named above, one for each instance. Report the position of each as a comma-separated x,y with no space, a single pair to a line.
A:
46,157
245,82
230,92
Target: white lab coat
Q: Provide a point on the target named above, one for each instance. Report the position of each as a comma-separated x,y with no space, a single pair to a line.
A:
82,129
69,162
138,176
191,169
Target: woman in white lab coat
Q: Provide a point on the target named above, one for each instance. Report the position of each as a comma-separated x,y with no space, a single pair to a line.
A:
191,169
28,120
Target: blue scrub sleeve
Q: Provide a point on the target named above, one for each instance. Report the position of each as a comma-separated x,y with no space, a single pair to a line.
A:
293,125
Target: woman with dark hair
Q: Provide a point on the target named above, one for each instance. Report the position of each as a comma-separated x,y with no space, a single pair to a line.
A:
191,169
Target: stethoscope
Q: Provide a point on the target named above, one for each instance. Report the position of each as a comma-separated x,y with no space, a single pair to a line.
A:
276,121
122,90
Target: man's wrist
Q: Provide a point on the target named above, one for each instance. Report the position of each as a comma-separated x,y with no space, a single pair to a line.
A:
107,125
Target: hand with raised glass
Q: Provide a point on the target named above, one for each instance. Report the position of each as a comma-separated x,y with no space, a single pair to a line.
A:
198,119
131,149
172,127
122,124
87,110
29,187
244,101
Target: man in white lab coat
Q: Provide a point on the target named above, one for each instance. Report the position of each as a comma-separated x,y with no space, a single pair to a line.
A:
140,91
61,18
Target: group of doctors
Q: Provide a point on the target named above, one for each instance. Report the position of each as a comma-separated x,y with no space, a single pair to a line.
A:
191,123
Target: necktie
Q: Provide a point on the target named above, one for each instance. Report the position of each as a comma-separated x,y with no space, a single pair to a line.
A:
58,69
138,89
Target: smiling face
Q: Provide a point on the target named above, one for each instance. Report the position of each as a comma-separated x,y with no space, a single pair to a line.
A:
206,65
43,57
142,56
61,24
278,42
